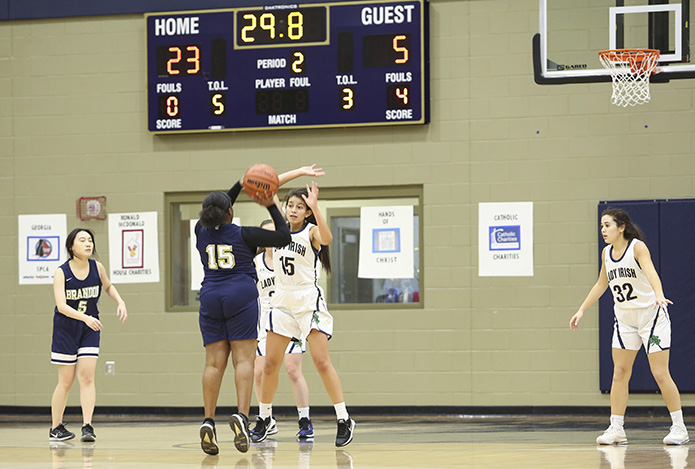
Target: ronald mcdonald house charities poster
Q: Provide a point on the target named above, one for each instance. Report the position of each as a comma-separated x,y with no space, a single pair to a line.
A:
133,247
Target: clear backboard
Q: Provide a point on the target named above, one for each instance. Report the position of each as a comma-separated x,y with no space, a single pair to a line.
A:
572,32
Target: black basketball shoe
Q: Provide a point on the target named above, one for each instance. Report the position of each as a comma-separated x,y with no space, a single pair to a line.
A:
208,437
60,433
240,427
88,433
345,429
262,429
306,430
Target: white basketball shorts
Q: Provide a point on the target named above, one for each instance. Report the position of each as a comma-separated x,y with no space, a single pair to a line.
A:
294,346
650,327
295,313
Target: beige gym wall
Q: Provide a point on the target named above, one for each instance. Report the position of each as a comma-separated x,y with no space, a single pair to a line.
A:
73,123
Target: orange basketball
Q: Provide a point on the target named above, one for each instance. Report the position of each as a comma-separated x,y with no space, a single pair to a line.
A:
261,180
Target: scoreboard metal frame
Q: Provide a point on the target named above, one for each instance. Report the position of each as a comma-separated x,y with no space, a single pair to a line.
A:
314,65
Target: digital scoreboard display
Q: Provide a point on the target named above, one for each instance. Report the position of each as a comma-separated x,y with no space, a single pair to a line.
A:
288,66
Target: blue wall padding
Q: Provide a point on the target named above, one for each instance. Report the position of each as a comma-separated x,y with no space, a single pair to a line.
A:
666,224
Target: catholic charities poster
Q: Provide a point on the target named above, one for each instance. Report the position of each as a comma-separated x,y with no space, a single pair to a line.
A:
133,247
41,247
505,239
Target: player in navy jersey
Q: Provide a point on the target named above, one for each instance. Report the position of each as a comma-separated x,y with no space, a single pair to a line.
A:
298,309
77,285
229,306
641,319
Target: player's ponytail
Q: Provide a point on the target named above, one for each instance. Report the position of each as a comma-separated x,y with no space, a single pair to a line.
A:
215,208
621,218
325,257
325,252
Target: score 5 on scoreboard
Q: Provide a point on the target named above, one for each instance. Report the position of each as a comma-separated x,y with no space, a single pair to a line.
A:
288,66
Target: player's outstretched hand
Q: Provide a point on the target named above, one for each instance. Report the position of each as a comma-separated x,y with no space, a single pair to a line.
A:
313,195
312,171
574,322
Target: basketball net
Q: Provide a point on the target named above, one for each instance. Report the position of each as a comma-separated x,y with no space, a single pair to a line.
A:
630,71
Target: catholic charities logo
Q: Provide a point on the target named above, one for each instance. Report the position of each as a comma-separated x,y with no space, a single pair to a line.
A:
505,238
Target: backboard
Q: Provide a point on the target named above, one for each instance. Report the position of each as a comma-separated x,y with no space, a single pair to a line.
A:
572,32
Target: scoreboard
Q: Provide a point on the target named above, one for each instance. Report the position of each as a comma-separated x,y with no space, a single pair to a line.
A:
288,66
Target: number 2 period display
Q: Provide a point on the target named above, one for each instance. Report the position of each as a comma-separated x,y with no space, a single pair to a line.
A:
287,67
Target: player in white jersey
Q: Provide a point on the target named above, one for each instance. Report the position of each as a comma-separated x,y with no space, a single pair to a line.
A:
298,309
641,318
293,353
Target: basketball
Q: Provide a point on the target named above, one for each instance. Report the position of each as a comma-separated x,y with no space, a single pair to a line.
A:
261,180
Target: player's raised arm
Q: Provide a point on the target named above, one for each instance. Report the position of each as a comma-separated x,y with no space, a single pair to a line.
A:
322,233
311,171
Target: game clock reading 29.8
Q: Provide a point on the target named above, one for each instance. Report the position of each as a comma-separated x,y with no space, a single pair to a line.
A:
288,66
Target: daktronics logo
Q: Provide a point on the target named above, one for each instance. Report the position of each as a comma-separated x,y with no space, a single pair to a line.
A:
505,238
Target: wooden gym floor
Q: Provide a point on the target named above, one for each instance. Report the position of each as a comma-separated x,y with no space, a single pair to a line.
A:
495,442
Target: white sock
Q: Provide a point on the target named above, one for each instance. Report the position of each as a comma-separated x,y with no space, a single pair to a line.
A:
677,418
303,412
340,411
265,410
618,420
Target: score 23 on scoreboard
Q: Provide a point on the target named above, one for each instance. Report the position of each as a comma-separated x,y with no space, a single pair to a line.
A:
288,66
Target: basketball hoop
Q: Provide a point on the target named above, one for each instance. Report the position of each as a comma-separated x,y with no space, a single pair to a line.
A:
91,208
630,70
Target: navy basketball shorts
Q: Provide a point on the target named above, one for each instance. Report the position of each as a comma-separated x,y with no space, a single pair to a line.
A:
229,311
72,340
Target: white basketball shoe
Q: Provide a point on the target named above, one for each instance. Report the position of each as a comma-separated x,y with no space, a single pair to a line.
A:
612,436
677,436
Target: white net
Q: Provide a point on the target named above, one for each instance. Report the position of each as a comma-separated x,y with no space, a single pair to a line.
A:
630,70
